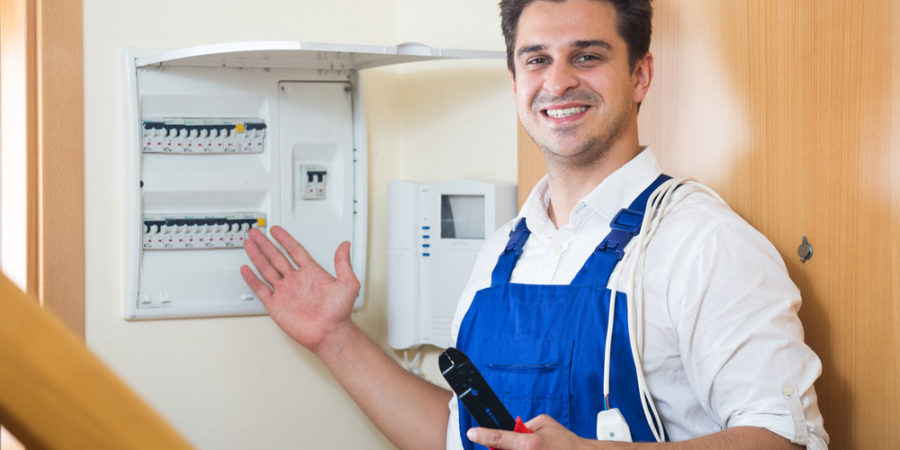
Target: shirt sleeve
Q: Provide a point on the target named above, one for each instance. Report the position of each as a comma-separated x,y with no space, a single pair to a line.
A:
740,338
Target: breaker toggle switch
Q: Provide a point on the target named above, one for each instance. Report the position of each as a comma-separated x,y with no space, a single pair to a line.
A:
314,182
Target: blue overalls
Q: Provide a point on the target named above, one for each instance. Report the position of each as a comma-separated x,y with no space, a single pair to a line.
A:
541,347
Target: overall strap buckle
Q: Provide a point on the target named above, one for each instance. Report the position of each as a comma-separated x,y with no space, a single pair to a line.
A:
624,226
507,261
517,237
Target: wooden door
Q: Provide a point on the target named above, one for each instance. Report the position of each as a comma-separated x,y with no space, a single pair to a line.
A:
791,111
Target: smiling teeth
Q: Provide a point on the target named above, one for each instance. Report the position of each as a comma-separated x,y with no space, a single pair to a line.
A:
560,113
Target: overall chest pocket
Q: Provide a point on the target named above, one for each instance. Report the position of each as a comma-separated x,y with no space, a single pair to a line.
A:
531,377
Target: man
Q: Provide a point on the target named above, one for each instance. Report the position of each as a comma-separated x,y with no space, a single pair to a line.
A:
723,354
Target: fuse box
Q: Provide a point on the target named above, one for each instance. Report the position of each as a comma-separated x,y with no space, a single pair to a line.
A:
223,138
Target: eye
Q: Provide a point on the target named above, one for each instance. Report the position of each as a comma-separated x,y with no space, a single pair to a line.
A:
537,60
589,59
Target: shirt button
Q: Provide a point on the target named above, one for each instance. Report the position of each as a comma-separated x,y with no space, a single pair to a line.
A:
578,209
787,390
557,249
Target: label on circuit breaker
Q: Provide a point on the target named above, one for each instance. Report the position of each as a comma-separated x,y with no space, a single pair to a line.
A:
198,231
203,135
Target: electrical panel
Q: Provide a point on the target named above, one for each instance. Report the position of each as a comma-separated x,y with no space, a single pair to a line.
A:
224,138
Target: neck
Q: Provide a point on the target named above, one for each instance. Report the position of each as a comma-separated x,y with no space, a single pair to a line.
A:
570,182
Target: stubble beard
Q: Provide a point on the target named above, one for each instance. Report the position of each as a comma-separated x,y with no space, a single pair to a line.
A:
593,150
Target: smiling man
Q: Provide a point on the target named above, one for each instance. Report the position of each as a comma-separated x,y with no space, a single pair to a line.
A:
575,91
716,358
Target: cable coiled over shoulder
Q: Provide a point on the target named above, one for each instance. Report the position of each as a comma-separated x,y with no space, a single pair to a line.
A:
660,203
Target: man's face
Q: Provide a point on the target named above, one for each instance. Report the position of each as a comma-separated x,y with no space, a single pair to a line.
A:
574,89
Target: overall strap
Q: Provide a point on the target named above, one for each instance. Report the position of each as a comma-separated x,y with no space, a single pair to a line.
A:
507,261
624,226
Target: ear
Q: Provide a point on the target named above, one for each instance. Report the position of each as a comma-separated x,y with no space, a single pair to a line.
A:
642,76
512,79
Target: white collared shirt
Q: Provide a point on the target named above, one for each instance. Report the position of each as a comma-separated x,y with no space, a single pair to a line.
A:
723,345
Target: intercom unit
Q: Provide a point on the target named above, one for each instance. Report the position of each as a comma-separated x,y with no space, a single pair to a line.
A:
435,232
223,138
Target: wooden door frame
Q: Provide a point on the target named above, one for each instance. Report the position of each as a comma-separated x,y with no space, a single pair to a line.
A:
41,55
42,137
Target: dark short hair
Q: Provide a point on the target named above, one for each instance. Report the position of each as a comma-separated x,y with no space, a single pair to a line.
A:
633,23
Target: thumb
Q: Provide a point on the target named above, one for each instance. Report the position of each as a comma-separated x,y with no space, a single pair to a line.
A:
342,267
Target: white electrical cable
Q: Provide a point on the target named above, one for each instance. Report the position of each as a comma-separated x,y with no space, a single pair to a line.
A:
608,351
413,366
660,203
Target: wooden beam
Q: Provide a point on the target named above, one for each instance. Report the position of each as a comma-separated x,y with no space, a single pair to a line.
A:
57,394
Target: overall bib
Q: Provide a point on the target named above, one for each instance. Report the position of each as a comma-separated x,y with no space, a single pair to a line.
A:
541,347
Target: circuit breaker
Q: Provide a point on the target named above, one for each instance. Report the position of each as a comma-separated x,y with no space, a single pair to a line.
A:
221,139
313,182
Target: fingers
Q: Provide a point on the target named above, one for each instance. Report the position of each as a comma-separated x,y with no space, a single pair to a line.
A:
499,439
262,290
273,266
260,260
555,436
296,251
271,252
539,422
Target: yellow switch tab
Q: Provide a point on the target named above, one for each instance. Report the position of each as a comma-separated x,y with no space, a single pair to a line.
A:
261,222
239,128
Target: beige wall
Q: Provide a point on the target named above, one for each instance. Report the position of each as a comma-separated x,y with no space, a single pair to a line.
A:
239,382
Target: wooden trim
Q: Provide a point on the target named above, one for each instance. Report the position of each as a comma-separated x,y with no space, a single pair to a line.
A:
41,137
60,160
57,394
41,71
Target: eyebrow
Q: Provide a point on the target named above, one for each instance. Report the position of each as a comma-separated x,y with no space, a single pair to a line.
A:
530,49
577,44
593,43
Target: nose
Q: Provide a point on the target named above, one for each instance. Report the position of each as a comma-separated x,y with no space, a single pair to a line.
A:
560,78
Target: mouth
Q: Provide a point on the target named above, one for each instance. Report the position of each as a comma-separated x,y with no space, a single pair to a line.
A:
562,113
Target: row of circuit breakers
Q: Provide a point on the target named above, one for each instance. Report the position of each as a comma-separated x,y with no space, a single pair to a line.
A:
192,232
201,136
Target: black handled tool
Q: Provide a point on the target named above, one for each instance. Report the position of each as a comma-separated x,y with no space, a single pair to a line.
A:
474,393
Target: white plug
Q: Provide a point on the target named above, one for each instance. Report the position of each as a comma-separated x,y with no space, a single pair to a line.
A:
611,426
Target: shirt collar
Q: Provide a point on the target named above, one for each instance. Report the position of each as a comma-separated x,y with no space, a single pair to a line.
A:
535,210
620,188
617,191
